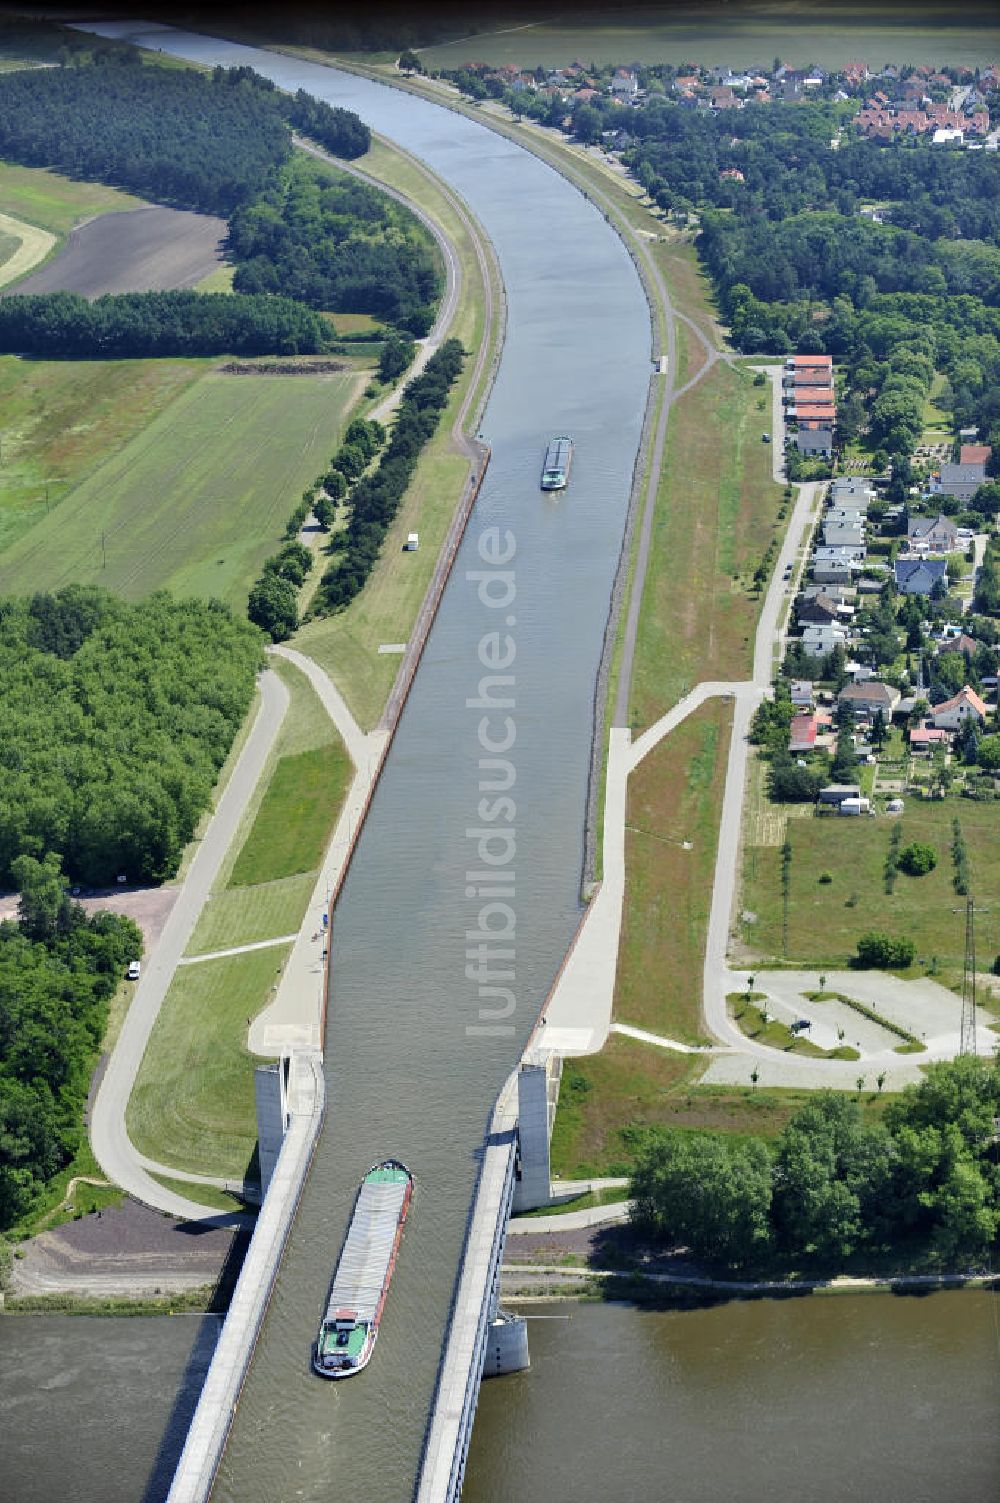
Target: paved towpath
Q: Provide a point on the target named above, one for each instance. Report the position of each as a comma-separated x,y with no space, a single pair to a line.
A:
109,1137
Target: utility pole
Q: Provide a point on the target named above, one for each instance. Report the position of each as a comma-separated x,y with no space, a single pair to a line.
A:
968,1037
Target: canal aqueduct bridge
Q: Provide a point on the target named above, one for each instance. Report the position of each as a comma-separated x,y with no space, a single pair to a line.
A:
482,1340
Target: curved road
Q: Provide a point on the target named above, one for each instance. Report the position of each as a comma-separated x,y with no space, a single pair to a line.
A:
109,1137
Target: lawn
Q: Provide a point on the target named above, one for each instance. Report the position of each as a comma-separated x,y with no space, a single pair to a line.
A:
193,1102
630,1085
675,795
825,919
716,512
289,835
813,33
61,419
346,644
54,202
243,915
197,500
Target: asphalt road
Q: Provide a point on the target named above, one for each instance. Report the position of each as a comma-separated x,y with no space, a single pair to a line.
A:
109,1137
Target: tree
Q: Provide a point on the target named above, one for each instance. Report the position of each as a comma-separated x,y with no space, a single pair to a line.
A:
324,510
831,1175
395,358
273,606
790,784
409,62
705,1193
44,908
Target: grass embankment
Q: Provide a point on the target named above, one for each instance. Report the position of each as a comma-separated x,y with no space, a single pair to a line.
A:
346,644
62,419
193,1101
63,1200
203,1195
266,880
674,797
825,919
716,513
195,501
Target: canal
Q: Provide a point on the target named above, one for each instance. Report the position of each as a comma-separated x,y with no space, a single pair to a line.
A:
416,1046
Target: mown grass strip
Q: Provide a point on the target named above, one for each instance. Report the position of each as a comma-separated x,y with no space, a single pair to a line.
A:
290,832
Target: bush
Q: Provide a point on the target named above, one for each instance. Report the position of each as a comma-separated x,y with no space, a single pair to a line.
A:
917,859
825,877
881,952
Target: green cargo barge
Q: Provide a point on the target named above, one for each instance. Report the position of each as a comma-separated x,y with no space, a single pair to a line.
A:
349,1328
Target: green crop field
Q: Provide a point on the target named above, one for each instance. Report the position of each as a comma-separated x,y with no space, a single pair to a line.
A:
54,202
812,32
196,501
193,1102
60,419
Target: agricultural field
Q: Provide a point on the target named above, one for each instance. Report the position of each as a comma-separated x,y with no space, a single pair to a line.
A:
56,203
61,419
825,918
152,249
198,499
674,797
824,35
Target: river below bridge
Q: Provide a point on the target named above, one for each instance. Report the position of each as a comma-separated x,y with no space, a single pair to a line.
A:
796,1401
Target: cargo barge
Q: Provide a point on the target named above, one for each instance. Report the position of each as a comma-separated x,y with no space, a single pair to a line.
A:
349,1329
555,470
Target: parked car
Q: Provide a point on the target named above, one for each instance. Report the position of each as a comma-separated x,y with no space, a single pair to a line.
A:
134,970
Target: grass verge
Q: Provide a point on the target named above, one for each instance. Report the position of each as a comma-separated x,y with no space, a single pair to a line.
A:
674,797
193,1101
202,1195
290,833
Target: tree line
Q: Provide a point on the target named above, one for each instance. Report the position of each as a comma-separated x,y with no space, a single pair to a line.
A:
374,500
58,970
128,325
117,720
919,1182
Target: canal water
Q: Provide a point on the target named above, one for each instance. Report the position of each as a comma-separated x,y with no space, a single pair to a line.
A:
414,1057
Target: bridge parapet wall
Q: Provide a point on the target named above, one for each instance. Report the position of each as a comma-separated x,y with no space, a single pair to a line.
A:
454,1410
213,1416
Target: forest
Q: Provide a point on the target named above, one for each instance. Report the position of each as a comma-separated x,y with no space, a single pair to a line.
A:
128,325
58,970
336,244
117,719
174,135
920,1181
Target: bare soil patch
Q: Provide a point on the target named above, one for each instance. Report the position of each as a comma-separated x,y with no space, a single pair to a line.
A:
127,1249
154,249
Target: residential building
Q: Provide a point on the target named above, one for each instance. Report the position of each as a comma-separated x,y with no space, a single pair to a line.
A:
624,86
923,738
974,454
959,480
844,535
802,734
801,691
918,576
821,637
932,534
866,699
815,443
818,609
963,706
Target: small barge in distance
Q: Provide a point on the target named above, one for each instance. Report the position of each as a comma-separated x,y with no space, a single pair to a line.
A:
361,1278
558,458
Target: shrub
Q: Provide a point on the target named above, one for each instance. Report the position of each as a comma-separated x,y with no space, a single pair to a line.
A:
917,859
882,952
825,877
